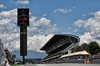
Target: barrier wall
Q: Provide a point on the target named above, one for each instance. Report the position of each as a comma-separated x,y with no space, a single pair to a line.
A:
73,61
96,61
76,61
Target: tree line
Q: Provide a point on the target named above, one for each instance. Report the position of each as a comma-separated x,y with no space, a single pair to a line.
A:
92,48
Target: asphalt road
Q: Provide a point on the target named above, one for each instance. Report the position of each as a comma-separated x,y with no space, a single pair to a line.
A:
61,65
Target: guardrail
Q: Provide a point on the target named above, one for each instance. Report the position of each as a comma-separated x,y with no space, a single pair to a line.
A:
75,61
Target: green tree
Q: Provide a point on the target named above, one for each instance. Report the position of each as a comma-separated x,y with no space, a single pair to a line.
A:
94,48
85,47
77,49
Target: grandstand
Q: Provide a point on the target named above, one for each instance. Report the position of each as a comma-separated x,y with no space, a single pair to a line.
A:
59,45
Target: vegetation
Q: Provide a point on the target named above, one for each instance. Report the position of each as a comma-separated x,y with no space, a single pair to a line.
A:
85,47
92,48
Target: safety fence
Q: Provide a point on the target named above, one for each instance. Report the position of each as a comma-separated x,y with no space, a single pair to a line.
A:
75,61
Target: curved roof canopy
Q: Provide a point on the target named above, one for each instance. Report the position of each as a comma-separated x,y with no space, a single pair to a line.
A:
75,53
55,38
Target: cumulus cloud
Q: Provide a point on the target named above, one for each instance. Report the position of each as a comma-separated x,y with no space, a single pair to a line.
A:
86,38
2,6
75,30
41,26
74,7
69,28
11,41
22,2
39,31
9,32
44,15
84,15
8,20
62,10
91,25
37,41
8,14
33,42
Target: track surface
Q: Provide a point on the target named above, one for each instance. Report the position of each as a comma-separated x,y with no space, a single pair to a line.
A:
67,64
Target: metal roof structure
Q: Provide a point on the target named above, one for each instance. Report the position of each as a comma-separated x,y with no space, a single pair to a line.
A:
59,44
55,38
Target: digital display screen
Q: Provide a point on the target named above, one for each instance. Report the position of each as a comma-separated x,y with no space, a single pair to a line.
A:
23,17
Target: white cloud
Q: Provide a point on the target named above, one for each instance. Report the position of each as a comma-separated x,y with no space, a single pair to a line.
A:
22,2
86,38
10,33
79,23
41,26
75,30
63,10
84,15
69,28
37,41
8,20
74,7
33,42
11,41
44,15
12,14
2,6
91,25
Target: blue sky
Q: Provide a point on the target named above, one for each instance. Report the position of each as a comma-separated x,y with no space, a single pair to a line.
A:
77,17
63,20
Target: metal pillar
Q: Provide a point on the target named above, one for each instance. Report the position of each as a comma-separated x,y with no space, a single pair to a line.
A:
23,59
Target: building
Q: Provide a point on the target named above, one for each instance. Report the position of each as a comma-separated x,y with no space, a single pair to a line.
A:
2,54
5,55
59,45
81,55
9,56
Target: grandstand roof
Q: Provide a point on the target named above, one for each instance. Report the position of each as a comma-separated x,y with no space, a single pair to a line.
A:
54,39
75,53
